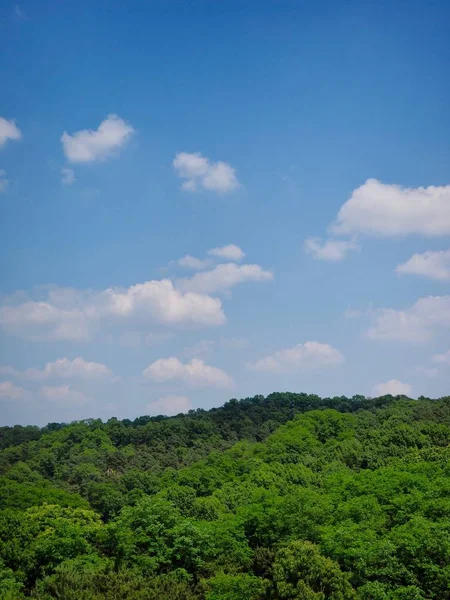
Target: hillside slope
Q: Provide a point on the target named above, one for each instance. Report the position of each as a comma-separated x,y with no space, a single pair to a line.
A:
333,504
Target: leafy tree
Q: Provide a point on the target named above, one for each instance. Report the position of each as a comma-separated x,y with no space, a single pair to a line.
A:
234,587
301,572
289,496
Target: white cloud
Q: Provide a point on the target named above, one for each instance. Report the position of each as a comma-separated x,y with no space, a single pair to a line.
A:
417,323
199,172
379,209
442,358
229,252
169,405
435,265
8,131
63,394
4,183
90,145
43,320
67,176
196,372
302,357
190,262
332,250
68,369
222,278
160,301
393,387
9,391
77,314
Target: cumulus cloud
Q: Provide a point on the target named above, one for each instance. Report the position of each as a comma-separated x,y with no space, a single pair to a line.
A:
77,314
386,210
43,320
67,176
8,131
4,182
196,372
9,391
222,278
442,358
169,405
201,173
229,252
393,387
64,395
332,250
302,357
417,323
190,262
160,301
64,368
90,145
435,265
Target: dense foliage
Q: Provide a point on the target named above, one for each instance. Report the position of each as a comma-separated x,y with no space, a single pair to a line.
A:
285,497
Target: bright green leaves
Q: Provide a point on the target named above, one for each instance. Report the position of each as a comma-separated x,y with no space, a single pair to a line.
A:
300,572
234,587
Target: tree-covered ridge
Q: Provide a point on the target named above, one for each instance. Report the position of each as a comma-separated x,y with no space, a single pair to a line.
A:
334,504
128,456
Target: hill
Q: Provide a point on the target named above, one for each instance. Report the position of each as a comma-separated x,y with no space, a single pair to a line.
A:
290,496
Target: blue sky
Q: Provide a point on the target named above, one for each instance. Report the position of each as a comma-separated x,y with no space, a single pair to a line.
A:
298,150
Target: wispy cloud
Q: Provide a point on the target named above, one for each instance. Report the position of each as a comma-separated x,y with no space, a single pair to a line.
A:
223,277
19,13
8,131
9,391
78,368
169,405
331,250
4,182
67,176
229,252
201,173
416,323
302,357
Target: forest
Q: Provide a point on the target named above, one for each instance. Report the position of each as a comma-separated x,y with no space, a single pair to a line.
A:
289,497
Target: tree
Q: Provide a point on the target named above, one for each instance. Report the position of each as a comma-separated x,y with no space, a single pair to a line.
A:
234,587
300,572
